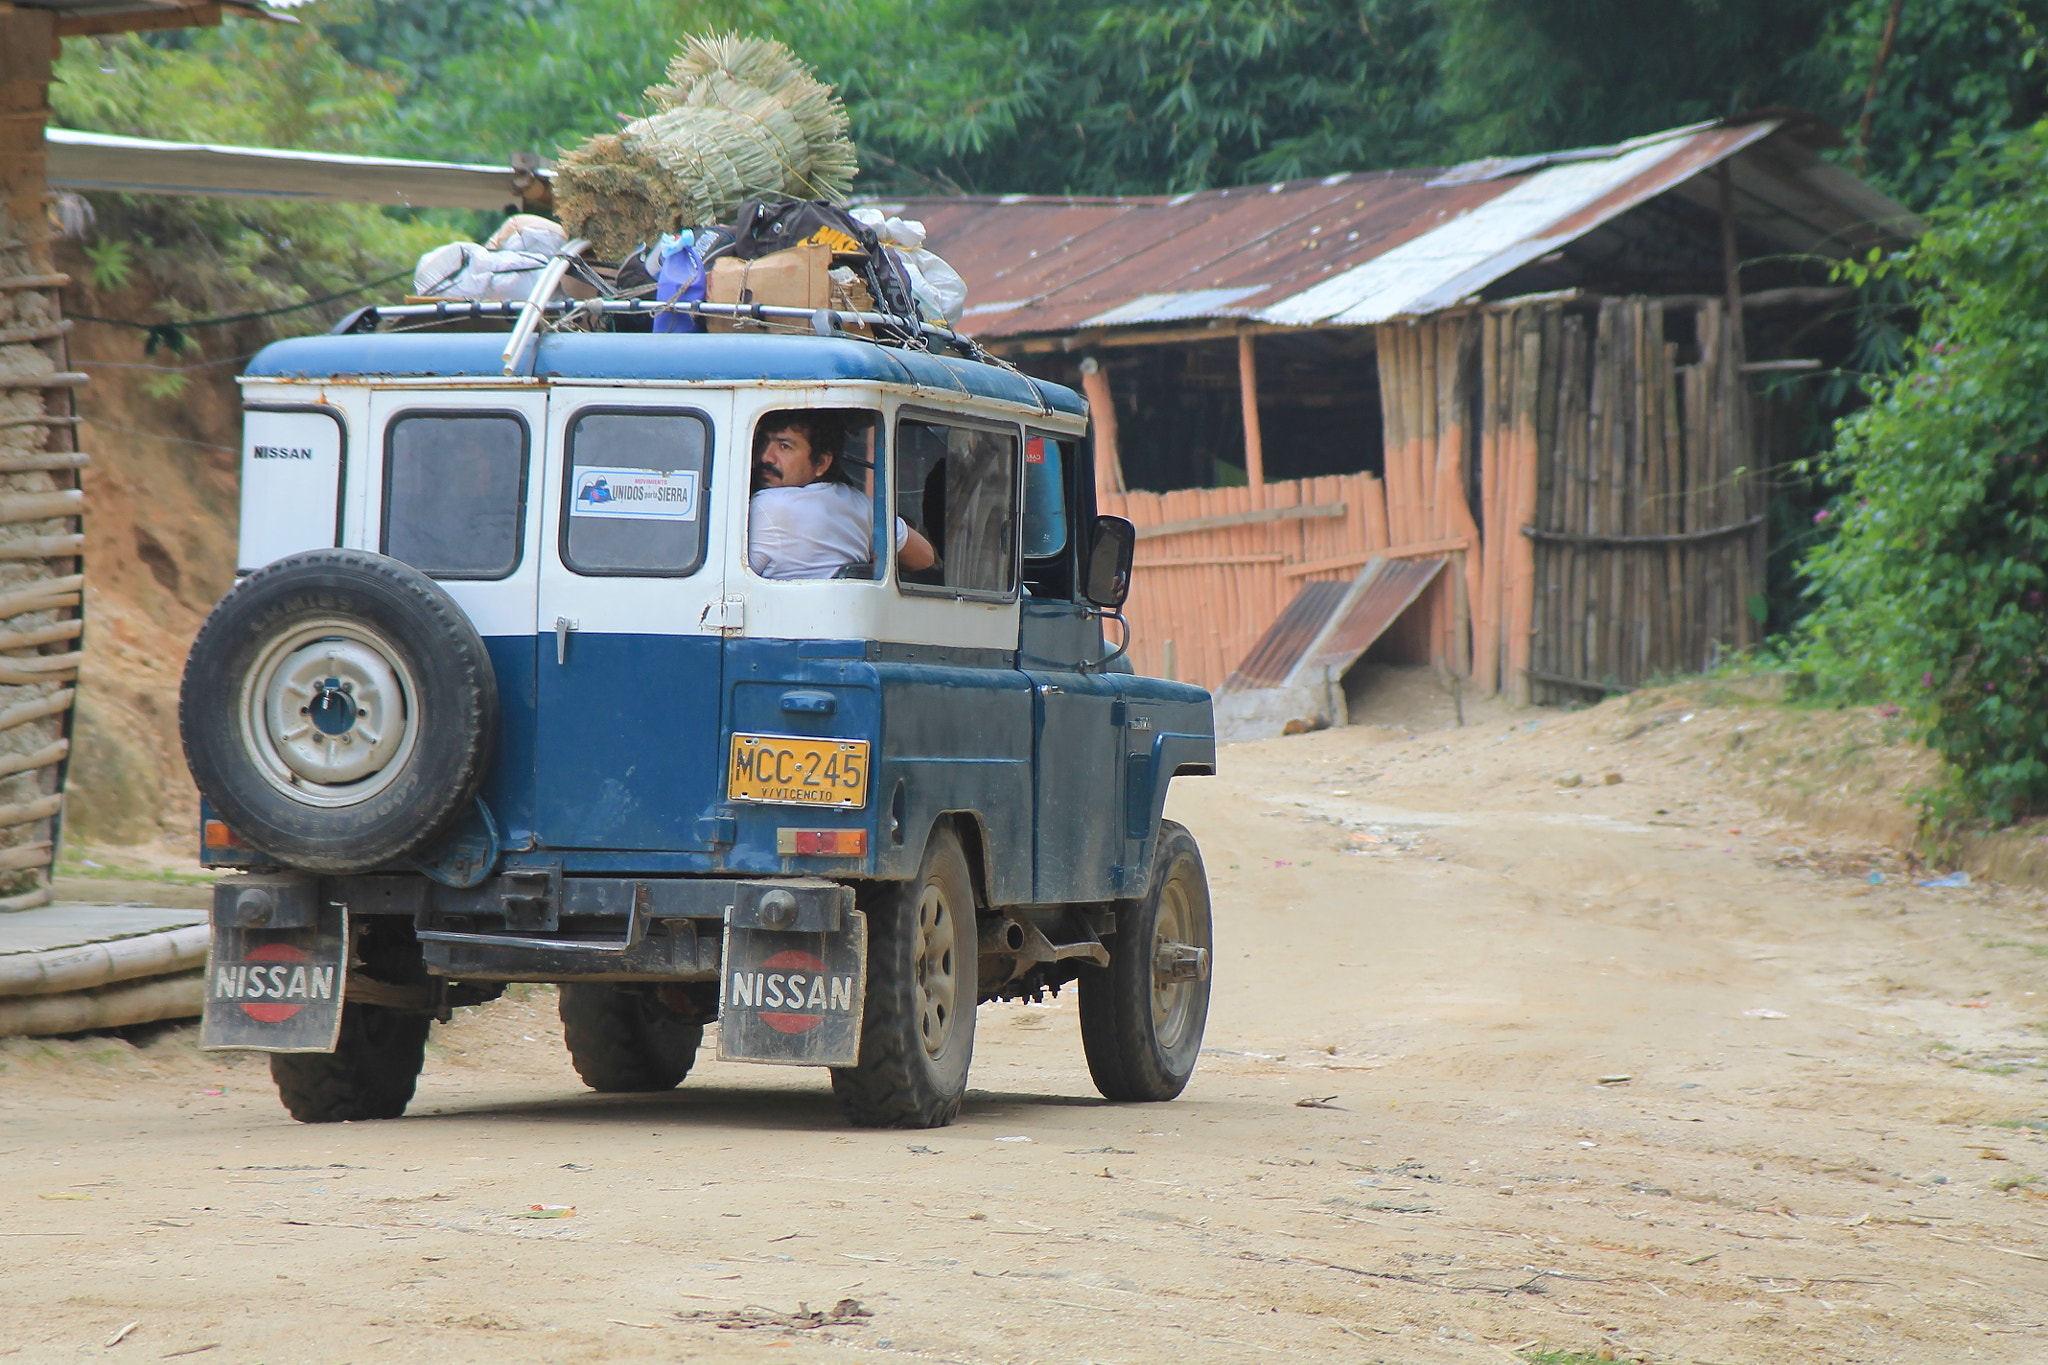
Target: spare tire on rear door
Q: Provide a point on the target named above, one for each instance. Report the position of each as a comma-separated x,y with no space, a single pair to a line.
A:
338,710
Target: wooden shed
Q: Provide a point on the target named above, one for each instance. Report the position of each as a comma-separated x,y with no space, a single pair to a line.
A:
1541,371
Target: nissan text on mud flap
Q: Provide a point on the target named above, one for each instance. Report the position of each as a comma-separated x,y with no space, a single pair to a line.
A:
748,679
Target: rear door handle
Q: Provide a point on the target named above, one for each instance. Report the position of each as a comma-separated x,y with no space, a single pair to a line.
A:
563,625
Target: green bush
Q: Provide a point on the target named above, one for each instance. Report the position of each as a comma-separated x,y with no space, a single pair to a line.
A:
254,84
1931,590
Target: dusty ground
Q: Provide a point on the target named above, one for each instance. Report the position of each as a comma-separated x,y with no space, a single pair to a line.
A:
1638,1066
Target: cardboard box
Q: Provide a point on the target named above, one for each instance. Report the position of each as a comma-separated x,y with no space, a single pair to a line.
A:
797,278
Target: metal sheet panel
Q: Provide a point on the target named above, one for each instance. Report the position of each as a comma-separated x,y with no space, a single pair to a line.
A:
1384,593
1535,217
134,165
1274,658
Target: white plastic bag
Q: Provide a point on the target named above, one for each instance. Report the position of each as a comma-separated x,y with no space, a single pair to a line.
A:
937,286
507,267
528,232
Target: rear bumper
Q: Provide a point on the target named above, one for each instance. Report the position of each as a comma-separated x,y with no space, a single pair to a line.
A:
539,925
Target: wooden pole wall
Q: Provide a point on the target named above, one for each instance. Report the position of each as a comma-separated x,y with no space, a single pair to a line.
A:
1615,537
41,587
1648,510
1109,470
1248,399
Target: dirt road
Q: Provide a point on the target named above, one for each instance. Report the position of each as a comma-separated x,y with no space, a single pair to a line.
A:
1498,1066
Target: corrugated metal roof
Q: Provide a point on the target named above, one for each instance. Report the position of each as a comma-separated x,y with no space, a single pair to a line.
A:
1365,248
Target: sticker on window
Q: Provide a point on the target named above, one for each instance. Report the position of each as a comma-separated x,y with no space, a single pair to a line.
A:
634,494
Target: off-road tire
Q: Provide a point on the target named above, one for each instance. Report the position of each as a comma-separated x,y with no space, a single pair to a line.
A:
445,700
901,1081
1136,1049
622,1039
371,1074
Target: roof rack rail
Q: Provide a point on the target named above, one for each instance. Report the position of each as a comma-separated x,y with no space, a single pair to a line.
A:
532,312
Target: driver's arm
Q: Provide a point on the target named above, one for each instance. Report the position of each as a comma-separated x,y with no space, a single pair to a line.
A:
913,551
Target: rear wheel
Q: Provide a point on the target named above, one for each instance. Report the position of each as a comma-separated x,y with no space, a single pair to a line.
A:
1142,1016
624,1039
371,1074
917,1026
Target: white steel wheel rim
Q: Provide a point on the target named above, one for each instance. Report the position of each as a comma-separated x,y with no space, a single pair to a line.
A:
937,984
1173,997
329,712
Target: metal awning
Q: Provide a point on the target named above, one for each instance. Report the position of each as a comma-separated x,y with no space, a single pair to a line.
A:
135,165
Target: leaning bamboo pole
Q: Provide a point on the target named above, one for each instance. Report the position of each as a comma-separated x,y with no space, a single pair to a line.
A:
1486,615
1522,509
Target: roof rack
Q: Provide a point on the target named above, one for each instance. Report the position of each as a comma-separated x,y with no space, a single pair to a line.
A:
541,307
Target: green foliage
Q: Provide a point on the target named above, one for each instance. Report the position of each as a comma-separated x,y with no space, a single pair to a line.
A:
1975,70
169,385
1525,76
1932,591
261,84
1082,97
536,78
113,263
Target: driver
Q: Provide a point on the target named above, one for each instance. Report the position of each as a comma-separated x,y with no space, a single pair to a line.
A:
809,520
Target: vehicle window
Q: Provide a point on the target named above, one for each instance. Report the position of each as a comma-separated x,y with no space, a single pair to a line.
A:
637,491
812,510
455,493
958,486
1045,502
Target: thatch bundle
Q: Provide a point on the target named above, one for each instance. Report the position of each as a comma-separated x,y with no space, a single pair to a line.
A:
738,119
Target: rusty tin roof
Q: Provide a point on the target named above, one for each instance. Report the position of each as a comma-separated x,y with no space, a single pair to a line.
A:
1357,249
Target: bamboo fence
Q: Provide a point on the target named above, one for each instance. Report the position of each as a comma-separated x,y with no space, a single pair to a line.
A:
1647,540
1201,595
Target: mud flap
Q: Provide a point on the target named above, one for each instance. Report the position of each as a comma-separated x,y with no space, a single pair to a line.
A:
276,990
791,997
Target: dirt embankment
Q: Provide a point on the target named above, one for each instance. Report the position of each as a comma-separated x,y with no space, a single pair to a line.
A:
160,540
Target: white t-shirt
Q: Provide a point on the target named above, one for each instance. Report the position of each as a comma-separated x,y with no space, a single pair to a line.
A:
812,531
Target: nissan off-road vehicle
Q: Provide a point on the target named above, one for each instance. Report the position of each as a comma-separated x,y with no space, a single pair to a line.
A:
498,697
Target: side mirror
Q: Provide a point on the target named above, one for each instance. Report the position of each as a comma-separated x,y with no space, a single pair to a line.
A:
1106,578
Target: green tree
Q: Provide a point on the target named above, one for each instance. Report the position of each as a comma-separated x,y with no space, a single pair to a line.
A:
260,84
1076,96
1968,70
1524,76
1933,589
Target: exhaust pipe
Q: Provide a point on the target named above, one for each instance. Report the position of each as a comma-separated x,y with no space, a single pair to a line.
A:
1001,936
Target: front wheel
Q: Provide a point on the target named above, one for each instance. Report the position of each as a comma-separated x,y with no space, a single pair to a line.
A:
1142,1015
371,1074
917,1027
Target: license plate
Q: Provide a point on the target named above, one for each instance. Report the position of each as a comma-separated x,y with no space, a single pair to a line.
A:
277,990
787,770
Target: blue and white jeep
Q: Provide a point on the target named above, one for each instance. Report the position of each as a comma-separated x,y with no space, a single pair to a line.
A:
499,698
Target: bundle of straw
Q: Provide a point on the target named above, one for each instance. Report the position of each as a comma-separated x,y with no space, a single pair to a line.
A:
738,119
